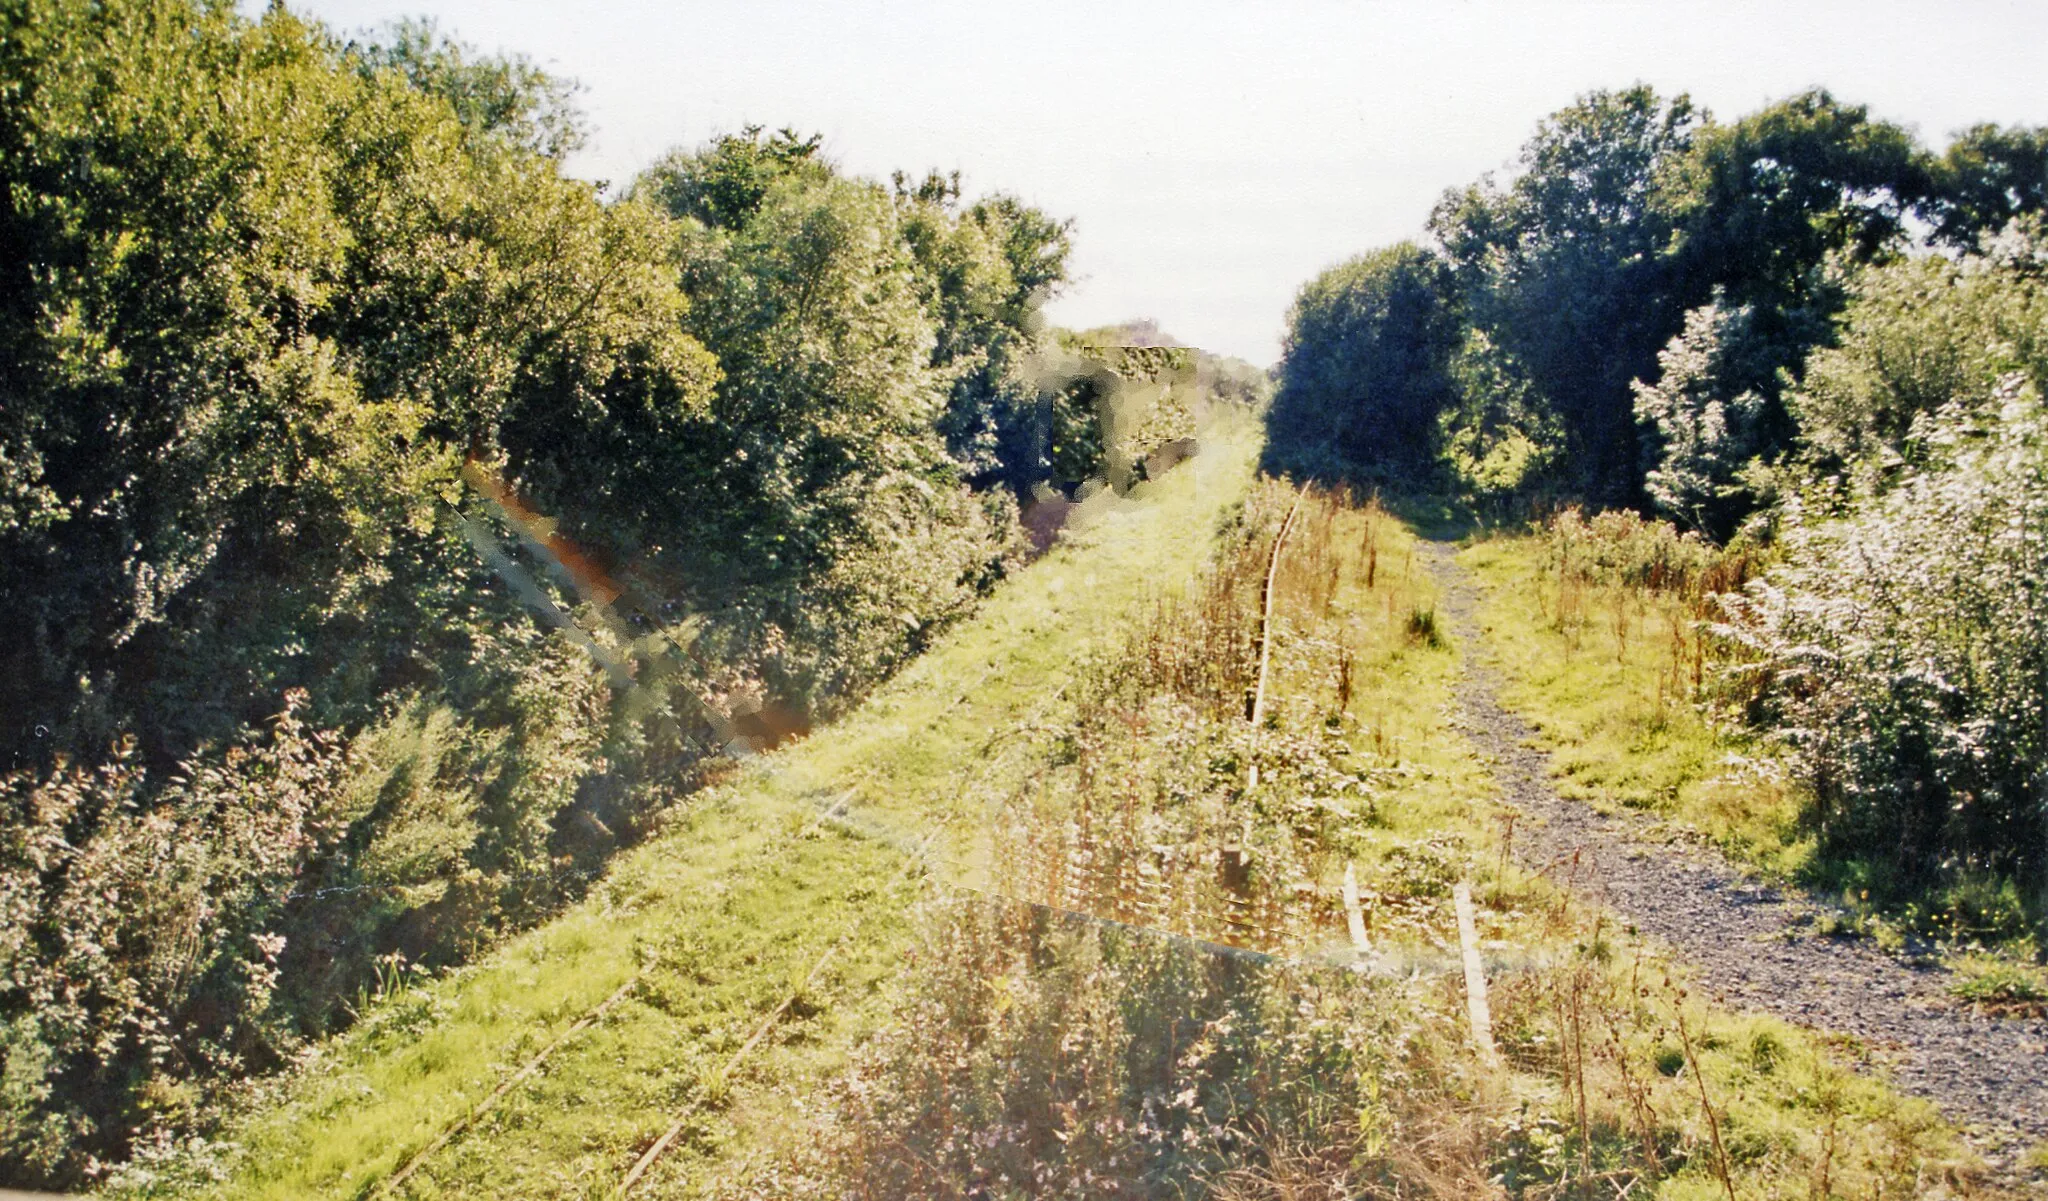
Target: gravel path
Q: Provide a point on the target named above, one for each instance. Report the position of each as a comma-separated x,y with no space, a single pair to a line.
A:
1990,1074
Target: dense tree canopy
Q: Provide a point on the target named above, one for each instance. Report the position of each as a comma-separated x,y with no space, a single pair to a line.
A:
1579,283
1363,377
1563,270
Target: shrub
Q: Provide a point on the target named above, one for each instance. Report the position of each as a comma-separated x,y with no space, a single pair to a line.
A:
1704,419
1901,651
139,943
1917,336
1621,548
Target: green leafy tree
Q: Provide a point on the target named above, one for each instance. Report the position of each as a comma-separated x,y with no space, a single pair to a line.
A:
983,274
1766,208
509,98
1364,369
1775,213
820,497
263,296
724,184
1988,177
1563,268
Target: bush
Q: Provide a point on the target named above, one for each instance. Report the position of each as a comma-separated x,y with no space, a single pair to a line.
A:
1901,651
1918,336
139,943
1704,419
1620,548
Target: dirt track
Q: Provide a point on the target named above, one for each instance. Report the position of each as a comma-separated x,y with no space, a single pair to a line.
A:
1751,942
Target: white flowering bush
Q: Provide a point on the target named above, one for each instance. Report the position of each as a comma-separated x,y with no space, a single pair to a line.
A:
1704,419
1901,650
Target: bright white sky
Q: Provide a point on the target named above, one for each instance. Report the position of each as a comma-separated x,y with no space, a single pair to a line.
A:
1214,156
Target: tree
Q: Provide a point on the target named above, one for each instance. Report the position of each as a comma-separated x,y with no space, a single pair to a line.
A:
1630,212
1762,204
503,97
1563,269
1703,418
725,183
983,274
819,498
260,298
1363,369
1988,177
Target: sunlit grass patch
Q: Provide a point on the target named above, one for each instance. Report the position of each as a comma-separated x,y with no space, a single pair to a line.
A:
1999,983
1609,675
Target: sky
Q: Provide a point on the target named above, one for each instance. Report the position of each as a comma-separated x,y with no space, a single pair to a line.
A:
1215,156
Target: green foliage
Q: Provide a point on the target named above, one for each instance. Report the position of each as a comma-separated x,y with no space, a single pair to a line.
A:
1564,271
1618,548
1499,441
725,183
1917,336
1554,339
1898,651
267,300
1364,372
723,910
1988,177
818,497
143,935
982,273
1765,201
1999,984
1704,420
508,98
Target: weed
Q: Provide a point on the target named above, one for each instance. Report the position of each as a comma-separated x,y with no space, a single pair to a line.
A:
1999,984
1422,628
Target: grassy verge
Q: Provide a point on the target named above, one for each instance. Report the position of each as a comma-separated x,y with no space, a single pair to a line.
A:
722,915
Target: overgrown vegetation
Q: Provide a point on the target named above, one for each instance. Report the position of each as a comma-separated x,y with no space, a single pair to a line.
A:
328,394
1153,994
718,917
400,528
1801,337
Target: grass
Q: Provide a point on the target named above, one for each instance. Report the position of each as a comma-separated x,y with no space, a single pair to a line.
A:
1998,983
721,913
1606,676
